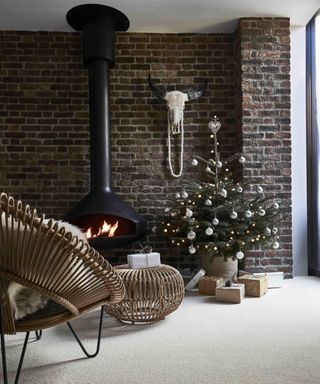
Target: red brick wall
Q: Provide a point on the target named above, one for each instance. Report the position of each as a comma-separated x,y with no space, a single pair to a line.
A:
264,45
44,129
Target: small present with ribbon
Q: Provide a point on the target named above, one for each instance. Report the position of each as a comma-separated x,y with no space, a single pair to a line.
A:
144,258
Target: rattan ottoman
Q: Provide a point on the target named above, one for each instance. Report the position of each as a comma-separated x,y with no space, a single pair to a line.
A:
151,294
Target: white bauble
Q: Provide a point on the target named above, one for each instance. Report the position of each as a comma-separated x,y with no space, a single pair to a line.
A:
274,230
192,250
219,164
208,169
178,196
240,255
259,189
215,221
189,213
239,189
248,214
267,231
276,206
194,162
242,159
167,210
209,231
184,195
275,245
208,202
233,215
191,235
173,214
261,212
223,192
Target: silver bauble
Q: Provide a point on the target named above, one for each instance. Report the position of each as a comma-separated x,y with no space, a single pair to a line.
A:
215,221
276,206
178,196
233,215
239,189
191,235
274,230
189,213
184,195
267,231
192,250
261,212
275,245
239,255
248,214
219,164
223,192
259,189
208,203
194,162
209,231
242,159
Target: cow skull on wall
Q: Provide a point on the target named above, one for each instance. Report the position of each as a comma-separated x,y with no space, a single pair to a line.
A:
176,103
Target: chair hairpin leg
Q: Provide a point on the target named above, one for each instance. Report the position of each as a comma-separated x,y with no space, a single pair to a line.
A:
98,340
38,335
3,352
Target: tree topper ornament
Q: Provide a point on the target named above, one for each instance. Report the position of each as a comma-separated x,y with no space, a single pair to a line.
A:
176,103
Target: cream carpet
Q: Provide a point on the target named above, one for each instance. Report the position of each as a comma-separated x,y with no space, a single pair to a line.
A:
275,339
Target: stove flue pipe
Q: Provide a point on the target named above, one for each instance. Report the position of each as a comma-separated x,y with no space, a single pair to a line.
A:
98,24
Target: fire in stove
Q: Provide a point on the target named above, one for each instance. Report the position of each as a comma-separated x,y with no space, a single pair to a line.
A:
107,230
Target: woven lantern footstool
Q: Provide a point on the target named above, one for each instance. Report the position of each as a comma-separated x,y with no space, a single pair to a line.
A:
151,294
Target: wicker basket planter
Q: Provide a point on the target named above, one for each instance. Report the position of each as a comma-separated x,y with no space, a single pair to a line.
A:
151,294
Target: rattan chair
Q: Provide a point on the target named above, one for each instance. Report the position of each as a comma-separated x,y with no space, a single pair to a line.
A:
39,254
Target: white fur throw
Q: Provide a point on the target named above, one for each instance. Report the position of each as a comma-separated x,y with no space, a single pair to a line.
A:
25,301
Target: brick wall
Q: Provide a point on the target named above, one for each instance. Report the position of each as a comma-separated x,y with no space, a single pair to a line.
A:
44,128
264,48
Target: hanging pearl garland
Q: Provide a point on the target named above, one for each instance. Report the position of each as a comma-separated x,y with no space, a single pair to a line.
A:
215,221
239,255
208,202
194,162
191,235
233,215
189,213
209,231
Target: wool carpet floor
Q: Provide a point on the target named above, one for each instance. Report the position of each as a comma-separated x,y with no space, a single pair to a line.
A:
271,340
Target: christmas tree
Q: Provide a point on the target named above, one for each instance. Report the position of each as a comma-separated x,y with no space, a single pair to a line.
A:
218,216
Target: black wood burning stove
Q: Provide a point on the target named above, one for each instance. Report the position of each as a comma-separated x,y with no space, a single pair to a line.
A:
107,220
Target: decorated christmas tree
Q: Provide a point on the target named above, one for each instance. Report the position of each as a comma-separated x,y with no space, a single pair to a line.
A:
218,216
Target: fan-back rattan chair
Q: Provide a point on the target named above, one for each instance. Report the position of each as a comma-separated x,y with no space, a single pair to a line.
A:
39,254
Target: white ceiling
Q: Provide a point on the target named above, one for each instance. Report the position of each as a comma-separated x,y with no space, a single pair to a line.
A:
156,15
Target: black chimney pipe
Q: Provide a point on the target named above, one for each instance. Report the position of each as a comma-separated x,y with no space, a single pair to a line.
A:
98,24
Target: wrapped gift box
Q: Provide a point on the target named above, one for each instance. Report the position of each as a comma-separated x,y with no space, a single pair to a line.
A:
208,285
194,281
144,260
255,286
233,294
275,279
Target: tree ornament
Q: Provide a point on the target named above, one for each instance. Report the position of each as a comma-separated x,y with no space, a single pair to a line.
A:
239,189
219,164
223,192
214,125
215,221
209,231
208,203
261,212
194,162
239,255
275,245
167,210
192,250
184,195
173,214
267,231
208,169
189,213
259,189
242,159
233,214
178,196
191,235
274,230
248,214
276,206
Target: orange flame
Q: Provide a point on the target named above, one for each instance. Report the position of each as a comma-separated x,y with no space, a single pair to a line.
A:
107,229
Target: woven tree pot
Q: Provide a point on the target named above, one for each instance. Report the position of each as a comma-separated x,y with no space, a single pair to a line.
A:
219,267
151,294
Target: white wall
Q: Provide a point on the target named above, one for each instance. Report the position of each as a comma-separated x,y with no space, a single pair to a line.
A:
299,167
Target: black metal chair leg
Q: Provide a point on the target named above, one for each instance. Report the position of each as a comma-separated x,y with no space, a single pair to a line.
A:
98,341
3,352
38,334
